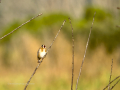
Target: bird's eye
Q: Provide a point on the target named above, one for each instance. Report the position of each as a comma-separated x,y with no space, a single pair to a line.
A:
44,46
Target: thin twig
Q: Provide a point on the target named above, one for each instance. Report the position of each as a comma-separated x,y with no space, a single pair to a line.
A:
111,82
20,26
85,53
56,35
110,75
43,57
115,84
32,75
72,56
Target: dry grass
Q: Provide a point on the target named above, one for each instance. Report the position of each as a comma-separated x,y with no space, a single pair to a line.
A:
60,69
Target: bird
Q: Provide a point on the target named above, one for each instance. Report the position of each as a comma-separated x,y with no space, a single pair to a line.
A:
41,52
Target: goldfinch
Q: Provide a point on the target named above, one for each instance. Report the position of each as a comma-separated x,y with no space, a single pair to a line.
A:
41,52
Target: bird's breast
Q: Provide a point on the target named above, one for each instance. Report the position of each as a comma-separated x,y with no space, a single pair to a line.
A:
42,52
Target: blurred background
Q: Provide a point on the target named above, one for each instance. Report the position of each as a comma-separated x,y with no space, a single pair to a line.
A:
18,51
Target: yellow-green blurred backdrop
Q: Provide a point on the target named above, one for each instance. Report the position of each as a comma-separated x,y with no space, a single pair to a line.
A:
18,51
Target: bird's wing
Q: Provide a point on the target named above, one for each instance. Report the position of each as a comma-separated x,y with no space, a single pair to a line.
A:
38,55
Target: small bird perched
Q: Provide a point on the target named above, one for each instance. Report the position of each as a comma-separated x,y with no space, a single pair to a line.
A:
41,52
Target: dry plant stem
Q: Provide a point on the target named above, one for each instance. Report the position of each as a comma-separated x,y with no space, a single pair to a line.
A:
72,56
111,82
110,75
56,35
43,57
85,53
32,75
115,84
20,26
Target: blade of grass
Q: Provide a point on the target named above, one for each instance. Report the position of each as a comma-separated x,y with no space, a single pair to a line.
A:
115,84
112,82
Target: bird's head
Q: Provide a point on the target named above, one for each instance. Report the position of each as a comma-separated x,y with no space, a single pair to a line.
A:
43,46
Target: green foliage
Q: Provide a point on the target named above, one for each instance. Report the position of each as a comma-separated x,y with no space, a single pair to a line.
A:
35,26
8,29
104,31
46,21
101,15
